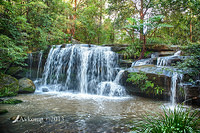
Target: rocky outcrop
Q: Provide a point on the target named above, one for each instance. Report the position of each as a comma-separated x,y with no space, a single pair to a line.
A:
26,86
160,80
189,93
9,85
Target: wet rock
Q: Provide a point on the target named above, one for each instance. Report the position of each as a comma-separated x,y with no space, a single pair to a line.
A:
160,80
197,82
161,47
166,53
26,86
188,93
9,85
3,111
117,47
45,89
125,63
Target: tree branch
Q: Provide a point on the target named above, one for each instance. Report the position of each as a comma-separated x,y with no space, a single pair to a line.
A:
147,7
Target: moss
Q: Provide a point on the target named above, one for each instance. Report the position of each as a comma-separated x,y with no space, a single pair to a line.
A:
11,101
3,111
29,89
9,85
14,70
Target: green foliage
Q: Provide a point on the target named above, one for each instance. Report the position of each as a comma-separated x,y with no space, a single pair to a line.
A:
132,51
141,80
179,120
10,101
7,92
10,53
192,63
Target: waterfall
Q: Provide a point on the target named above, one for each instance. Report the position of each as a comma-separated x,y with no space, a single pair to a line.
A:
114,88
173,87
142,62
82,68
30,62
39,64
174,79
165,61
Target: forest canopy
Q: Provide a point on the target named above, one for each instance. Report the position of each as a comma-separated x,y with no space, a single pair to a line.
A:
28,25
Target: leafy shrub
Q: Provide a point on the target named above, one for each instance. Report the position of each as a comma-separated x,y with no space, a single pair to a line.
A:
193,62
178,120
141,80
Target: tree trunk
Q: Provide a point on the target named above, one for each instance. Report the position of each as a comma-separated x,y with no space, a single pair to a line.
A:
100,24
142,19
74,18
143,48
191,30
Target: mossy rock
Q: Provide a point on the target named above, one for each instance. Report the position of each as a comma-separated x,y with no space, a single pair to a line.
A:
14,70
10,101
9,85
26,86
3,111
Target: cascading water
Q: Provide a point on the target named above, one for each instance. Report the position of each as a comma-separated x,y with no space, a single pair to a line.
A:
175,77
82,69
162,62
39,64
173,88
142,62
30,62
165,61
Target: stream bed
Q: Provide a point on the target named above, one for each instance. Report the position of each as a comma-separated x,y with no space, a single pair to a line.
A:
59,112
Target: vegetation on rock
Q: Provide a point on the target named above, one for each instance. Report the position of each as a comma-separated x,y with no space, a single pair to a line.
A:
10,101
141,80
8,85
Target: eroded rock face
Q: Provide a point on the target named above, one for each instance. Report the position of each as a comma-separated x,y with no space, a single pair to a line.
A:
160,80
9,85
26,86
189,93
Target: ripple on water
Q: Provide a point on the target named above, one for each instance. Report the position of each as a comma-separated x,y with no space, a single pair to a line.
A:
78,112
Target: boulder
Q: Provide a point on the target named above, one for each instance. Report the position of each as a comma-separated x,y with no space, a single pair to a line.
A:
26,86
9,85
45,89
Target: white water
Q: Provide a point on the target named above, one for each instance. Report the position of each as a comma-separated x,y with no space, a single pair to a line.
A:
175,77
142,62
39,64
30,58
166,61
173,88
82,69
